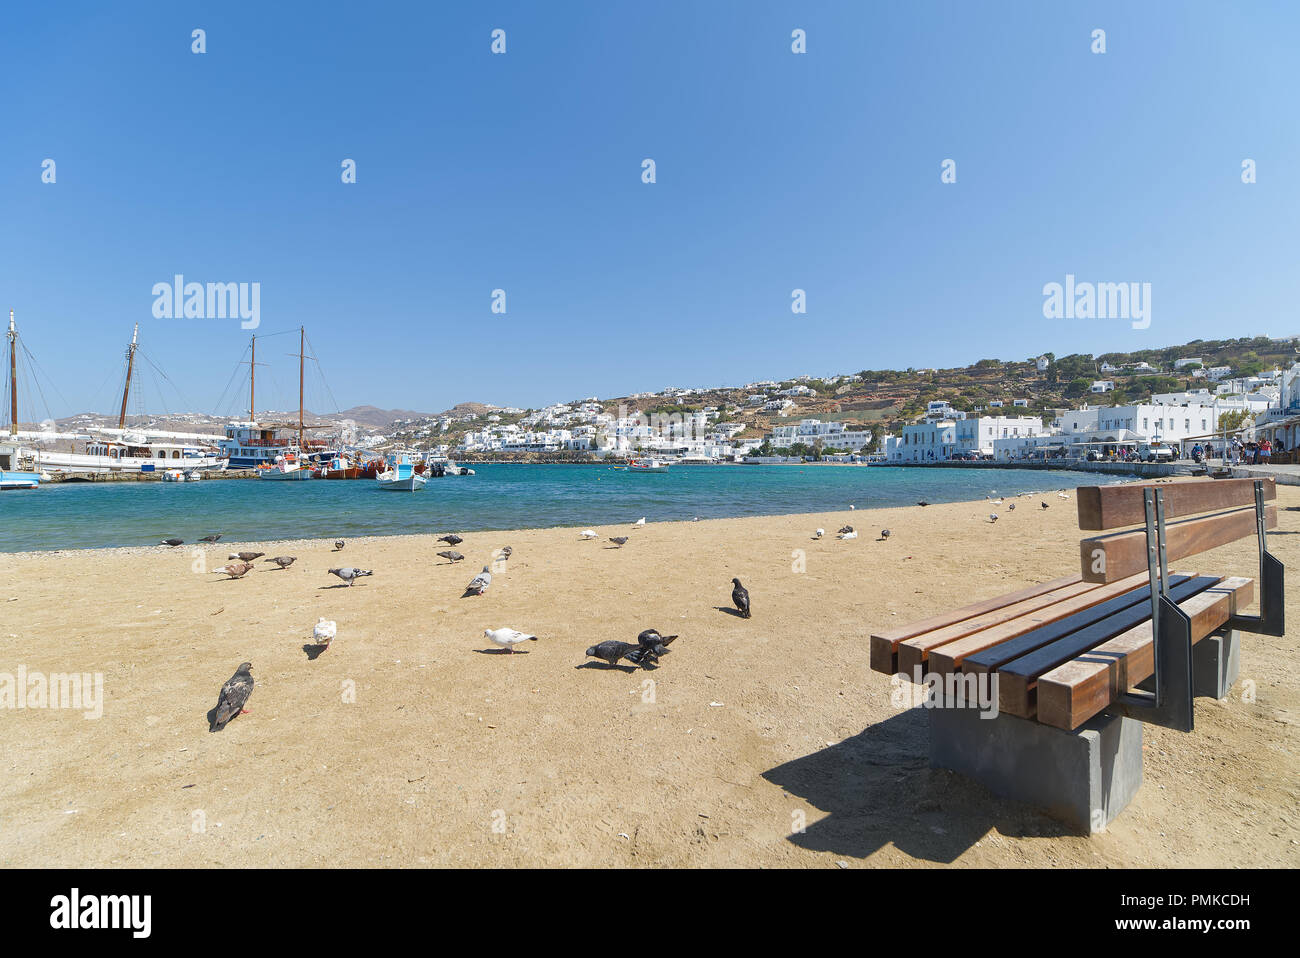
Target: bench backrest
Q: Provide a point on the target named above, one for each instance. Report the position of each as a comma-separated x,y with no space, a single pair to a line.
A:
1229,502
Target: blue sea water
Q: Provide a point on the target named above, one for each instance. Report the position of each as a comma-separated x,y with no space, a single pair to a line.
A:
499,496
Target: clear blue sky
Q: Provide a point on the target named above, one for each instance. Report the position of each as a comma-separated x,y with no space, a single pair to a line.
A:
523,171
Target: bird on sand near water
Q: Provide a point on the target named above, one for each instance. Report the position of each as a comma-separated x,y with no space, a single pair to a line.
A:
505,553
213,538
652,641
1043,504
338,545
848,535
1011,507
612,650
451,539
234,695
639,523
283,561
923,503
993,517
350,575
245,556
819,533
235,569
172,542
589,534
452,557
740,596
508,638
479,584
844,529
619,541
884,534
324,632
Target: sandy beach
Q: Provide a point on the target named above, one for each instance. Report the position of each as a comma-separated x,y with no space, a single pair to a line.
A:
409,744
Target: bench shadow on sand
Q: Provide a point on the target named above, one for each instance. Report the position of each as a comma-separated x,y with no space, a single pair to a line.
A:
878,789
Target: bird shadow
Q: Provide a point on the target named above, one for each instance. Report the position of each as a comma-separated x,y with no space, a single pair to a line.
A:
500,652
736,612
314,651
341,585
606,667
878,789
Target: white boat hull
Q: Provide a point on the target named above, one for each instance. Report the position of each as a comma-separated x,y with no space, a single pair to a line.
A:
409,484
82,462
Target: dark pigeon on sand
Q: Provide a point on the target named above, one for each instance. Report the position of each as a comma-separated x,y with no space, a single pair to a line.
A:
172,542
245,556
653,642
215,538
350,575
234,695
844,530
619,541
284,561
612,650
451,556
740,596
884,534
451,539
338,545
1043,504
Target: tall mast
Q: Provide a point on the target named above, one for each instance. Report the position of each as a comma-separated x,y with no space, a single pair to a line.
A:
130,363
302,342
13,376
252,382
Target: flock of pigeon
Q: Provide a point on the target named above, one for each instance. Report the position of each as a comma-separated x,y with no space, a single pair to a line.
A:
650,645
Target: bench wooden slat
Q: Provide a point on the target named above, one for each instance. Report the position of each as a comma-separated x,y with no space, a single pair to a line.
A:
1074,692
963,640
884,645
912,652
958,655
1018,678
1113,507
1116,556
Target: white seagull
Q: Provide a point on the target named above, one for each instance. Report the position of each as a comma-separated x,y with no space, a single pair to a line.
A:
588,534
508,638
848,535
639,522
820,533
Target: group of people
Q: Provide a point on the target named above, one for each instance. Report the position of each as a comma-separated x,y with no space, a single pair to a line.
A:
1235,452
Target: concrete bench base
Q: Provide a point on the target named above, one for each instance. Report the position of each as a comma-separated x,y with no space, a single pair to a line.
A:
1085,777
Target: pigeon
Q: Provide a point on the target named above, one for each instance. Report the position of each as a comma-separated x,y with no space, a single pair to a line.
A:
324,632
612,650
508,638
450,556
284,561
844,530
640,522
653,642
506,552
619,541
589,534
235,569
1043,504
234,694
349,575
740,596
338,545
174,542
993,517
451,539
848,535
884,534
1011,507
819,533
923,503
245,556
214,538
479,584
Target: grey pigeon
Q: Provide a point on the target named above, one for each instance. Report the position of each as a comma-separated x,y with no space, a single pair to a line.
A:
234,694
172,542
1043,504
245,556
215,538
506,552
451,556
619,541
884,534
612,650
923,503
740,596
284,561
479,584
993,517
451,540
653,642
844,530
1011,507
338,545
350,575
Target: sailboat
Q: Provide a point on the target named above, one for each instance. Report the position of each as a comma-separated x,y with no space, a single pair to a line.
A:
11,456
289,464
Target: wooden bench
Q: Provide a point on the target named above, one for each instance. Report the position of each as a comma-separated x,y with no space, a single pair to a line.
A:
1077,663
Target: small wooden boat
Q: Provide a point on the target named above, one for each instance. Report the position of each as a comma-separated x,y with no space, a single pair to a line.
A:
647,465
401,477
287,467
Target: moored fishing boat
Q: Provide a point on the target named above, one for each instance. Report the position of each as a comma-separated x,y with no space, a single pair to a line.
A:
287,467
401,476
647,465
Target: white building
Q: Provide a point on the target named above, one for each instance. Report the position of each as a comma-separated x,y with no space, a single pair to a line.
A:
831,434
1101,386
